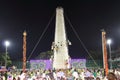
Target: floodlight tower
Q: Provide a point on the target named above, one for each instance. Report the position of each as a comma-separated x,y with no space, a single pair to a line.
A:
109,43
7,44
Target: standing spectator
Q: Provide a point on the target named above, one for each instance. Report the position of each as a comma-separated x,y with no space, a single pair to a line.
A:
75,74
111,76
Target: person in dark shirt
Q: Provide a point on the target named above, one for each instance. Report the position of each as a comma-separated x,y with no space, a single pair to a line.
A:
111,76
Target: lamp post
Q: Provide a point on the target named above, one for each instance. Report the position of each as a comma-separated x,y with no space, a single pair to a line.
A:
109,43
7,43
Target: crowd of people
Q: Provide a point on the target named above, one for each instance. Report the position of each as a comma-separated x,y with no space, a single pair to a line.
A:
61,74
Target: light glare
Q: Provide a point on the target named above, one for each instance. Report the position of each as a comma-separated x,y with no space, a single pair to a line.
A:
7,43
109,41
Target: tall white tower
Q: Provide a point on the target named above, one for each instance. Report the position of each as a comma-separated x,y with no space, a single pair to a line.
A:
60,44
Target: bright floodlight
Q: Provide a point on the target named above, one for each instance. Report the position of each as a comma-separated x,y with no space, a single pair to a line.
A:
109,41
7,43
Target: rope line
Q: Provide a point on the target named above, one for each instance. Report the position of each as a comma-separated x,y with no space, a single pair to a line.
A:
80,40
41,36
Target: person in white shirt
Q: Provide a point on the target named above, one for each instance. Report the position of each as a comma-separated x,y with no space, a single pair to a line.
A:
75,74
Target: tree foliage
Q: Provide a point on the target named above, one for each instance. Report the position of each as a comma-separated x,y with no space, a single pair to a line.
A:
3,58
45,55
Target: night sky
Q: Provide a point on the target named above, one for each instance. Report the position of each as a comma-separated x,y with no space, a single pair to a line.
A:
87,17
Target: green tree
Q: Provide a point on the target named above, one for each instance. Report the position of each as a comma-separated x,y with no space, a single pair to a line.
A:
3,58
45,55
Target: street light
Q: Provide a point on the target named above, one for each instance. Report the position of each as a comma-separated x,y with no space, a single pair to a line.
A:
109,43
7,43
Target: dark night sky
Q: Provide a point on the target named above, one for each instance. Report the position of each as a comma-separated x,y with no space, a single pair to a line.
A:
88,17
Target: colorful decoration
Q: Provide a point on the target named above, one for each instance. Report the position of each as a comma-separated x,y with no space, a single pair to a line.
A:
105,60
47,64
24,50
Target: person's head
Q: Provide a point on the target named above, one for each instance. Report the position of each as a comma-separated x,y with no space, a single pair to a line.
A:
111,76
97,78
